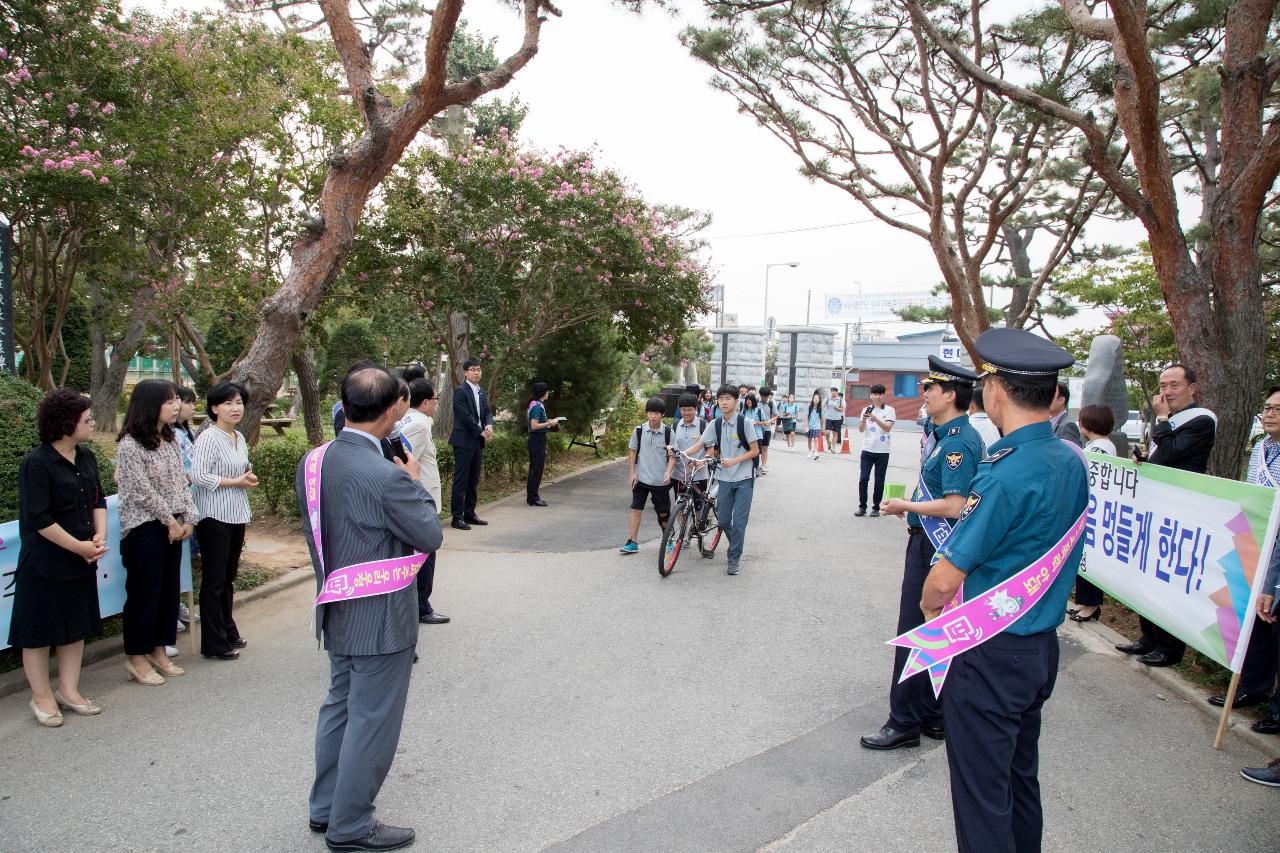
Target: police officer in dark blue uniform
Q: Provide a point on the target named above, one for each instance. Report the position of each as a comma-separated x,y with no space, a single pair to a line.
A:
1029,491
951,455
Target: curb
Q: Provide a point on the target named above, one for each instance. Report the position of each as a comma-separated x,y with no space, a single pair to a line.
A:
109,647
1194,696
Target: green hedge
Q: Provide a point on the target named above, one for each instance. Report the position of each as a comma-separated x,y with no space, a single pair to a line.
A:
626,415
275,461
19,433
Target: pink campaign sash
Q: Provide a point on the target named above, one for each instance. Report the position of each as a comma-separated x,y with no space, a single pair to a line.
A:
964,625
362,580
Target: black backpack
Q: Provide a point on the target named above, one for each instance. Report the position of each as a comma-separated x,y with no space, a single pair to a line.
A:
742,439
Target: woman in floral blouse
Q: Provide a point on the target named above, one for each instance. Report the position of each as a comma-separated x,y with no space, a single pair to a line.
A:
156,516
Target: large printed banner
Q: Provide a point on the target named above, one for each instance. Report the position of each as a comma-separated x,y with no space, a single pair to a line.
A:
110,571
1187,551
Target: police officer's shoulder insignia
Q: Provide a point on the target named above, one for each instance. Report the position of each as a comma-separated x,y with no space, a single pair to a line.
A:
954,460
969,506
954,431
999,454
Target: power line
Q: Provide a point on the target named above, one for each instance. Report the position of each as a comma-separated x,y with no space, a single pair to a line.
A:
808,228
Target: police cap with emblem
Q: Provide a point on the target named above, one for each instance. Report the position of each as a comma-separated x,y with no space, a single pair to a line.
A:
1016,352
945,371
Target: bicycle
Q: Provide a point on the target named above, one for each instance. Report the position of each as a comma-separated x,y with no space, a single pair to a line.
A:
694,514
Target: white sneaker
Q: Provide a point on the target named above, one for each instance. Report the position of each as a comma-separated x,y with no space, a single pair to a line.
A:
171,651
182,626
184,615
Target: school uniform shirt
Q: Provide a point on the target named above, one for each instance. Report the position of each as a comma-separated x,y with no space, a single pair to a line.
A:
651,454
214,457
833,410
874,439
729,447
767,411
815,419
685,435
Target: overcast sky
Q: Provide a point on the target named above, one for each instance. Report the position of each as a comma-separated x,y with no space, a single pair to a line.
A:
624,84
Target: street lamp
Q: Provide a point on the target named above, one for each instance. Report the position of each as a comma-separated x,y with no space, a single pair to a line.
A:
767,267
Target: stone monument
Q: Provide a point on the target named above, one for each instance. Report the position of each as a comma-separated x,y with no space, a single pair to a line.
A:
1104,385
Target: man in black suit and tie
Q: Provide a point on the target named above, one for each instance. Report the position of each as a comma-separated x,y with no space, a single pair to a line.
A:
472,427
370,509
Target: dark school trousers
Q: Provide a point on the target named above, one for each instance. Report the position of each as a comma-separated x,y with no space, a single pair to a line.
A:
152,564
537,463
912,702
356,738
1161,640
880,462
466,480
992,702
220,547
426,580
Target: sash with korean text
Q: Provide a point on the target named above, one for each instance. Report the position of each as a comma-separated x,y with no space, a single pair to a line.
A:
362,580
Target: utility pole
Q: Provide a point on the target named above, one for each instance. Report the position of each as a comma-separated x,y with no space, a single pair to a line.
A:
808,303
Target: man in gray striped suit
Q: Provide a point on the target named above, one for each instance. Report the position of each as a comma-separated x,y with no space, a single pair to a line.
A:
370,509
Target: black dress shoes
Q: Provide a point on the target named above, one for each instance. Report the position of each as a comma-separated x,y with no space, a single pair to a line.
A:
1267,726
537,502
890,738
935,732
1243,700
1135,648
433,618
318,825
1158,659
381,837
474,519
459,524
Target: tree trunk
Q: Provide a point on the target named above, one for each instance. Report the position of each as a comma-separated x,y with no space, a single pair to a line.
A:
304,367
457,346
1020,261
108,375
317,258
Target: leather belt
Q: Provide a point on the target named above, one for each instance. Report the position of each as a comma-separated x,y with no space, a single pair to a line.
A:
914,530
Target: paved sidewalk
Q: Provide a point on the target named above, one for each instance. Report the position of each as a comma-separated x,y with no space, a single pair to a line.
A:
580,702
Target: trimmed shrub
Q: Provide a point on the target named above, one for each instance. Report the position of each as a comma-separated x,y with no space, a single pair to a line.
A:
18,434
352,341
275,461
444,461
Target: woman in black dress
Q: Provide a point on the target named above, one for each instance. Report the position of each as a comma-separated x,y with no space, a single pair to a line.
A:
62,520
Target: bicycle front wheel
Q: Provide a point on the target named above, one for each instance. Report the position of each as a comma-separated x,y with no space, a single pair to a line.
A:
711,531
673,539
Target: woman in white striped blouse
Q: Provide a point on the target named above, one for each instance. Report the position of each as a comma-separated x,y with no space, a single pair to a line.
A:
220,473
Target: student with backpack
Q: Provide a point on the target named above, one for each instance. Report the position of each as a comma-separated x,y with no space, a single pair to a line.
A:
734,439
768,418
651,466
686,432
814,421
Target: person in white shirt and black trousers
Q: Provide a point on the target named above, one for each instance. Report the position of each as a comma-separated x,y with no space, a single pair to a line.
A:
472,428
876,422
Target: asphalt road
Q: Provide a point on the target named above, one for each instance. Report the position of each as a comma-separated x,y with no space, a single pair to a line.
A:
579,702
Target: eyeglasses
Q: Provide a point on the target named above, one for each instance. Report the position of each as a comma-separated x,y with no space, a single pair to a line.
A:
1270,409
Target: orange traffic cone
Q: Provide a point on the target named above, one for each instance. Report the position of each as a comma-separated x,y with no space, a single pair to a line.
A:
821,434
844,448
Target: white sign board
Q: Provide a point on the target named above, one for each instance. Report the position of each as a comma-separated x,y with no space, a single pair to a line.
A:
953,352
852,307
